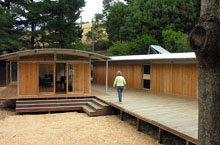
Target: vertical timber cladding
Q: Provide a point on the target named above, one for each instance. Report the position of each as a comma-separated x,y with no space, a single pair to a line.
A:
166,78
81,78
131,72
156,77
28,79
86,77
175,79
190,80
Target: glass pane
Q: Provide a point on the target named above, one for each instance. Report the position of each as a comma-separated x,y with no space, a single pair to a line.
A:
70,78
147,84
146,69
61,78
46,78
13,72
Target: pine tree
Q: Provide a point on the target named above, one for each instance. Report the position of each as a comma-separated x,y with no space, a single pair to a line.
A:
9,36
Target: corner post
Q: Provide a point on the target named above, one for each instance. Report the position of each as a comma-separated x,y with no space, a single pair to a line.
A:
90,71
18,81
10,72
106,89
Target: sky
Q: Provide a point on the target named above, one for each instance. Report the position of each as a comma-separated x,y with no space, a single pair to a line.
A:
92,7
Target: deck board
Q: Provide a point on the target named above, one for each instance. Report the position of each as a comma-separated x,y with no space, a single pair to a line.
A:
175,115
10,93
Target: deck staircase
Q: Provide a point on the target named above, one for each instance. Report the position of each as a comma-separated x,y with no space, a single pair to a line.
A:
91,106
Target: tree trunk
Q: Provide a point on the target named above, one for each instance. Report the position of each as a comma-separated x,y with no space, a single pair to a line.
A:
205,41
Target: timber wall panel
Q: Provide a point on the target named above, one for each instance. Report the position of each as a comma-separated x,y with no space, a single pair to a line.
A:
130,79
86,77
110,75
177,79
28,79
124,71
166,84
190,80
138,76
156,76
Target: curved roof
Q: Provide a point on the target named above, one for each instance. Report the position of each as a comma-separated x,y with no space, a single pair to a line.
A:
93,56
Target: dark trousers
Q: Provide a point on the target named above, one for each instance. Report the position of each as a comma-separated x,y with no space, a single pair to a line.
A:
120,90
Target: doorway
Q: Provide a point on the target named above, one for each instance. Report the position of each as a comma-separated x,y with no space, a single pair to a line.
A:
61,78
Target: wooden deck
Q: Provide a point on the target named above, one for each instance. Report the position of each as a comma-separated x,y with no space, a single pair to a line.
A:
174,115
10,93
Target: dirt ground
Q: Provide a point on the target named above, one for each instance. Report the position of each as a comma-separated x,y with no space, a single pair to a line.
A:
70,128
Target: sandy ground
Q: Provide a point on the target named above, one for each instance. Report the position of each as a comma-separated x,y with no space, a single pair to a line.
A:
70,128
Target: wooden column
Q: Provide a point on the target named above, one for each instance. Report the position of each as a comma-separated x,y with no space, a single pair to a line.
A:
6,74
90,71
67,79
10,72
54,78
106,89
160,135
18,84
138,124
121,115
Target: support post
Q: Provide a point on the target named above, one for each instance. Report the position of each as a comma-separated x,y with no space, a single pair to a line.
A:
90,78
10,72
106,89
138,124
121,115
160,136
18,84
187,142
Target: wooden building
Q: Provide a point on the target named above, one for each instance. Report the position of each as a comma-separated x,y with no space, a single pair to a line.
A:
172,74
49,73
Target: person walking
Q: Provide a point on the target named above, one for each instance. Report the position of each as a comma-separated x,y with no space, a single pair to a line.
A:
120,84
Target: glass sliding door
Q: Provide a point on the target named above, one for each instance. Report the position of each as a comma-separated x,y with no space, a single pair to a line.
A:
70,78
61,78
46,78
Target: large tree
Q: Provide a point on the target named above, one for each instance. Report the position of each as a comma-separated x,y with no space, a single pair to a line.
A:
9,35
61,28
44,23
140,17
204,40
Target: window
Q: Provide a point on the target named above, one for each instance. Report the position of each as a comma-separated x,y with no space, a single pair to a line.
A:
147,76
46,81
12,73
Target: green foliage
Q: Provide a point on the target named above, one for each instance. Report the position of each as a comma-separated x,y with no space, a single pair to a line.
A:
151,17
119,48
175,41
46,23
135,47
107,4
9,37
80,46
100,36
61,23
116,21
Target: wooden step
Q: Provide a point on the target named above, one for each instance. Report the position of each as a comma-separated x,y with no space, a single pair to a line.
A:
51,101
94,106
88,110
50,104
48,109
91,106
100,103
